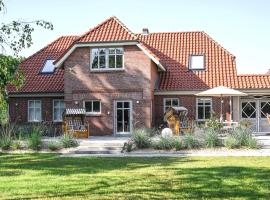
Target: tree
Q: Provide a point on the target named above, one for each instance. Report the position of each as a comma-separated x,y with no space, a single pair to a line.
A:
14,36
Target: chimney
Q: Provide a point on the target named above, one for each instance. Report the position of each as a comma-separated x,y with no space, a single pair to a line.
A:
145,31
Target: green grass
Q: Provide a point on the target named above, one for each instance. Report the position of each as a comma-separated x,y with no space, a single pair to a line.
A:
48,176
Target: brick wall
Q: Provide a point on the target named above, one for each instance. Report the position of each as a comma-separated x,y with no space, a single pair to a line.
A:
18,108
189,101
135,83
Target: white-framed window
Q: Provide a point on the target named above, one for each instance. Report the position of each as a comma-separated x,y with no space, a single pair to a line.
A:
107,58
58,109
92,106
203,108
48,66
196,62
170,102
34,110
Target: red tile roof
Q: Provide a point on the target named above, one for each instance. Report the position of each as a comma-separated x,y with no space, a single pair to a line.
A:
111,29
31,67
254,81
172,50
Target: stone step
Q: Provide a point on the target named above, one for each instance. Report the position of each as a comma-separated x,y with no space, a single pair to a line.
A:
97,152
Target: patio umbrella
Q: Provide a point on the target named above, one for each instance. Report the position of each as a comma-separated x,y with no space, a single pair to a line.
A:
221,92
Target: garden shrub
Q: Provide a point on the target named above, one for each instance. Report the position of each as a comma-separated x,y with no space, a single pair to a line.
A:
210,138
141,138
178,144
68,141
231,142
34,140
253,143
190,141
54,146
6,142
128,146
242,135
17,144
7,131
214,123
165,143
246,123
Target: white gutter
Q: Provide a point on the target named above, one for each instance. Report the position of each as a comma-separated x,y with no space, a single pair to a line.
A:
152,57
188,92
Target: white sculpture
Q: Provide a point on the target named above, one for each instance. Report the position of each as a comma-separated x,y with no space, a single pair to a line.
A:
166,132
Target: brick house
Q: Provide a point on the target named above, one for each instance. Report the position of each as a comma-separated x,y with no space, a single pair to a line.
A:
127,80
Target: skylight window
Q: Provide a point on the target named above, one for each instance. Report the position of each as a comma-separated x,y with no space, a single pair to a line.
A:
196,62
48,67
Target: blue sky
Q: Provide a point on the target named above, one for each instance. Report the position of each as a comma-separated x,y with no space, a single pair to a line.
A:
240,26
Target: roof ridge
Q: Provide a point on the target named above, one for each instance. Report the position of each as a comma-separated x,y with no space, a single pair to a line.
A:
172,32
45,47
125,27
103,22
218,44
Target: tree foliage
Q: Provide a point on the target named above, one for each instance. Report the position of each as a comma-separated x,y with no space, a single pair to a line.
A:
14,36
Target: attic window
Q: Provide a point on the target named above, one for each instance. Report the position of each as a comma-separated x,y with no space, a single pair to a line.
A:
48,67
196,62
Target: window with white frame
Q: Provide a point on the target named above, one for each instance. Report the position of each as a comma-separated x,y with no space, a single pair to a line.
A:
92,107
107,58
204,108
48,67
58,109
34,110
170,102
196,62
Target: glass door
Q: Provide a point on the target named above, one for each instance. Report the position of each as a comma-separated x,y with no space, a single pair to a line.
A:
123,116
249,111
264,110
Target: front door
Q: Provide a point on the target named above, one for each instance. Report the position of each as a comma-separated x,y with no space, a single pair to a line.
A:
256,111
249,111
123,117
264,110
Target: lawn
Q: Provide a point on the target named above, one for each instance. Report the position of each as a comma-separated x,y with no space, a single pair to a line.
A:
48,176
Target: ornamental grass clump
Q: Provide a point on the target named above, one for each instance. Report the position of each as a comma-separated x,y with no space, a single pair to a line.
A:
54,145
164,143
34,140
68,141
210,138
7,131
190,142
231,142
141,138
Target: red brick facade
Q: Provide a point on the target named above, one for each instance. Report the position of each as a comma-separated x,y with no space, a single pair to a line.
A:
189,101
135,83
18,108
